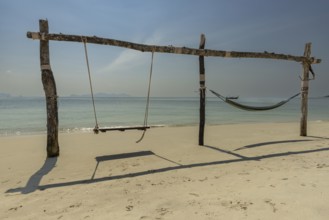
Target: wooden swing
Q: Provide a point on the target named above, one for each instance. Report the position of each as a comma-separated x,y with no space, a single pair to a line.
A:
98,129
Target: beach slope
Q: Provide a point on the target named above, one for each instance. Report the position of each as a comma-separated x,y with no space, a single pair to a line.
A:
245,171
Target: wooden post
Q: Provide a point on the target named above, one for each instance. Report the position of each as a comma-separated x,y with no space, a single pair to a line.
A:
49,87
202,92
304,91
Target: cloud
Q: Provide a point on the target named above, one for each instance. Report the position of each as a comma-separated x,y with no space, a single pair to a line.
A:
132,59
128,59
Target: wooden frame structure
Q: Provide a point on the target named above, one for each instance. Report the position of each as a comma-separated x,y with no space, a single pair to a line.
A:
49,84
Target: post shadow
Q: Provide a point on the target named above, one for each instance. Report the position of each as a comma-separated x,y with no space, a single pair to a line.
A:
34,181
270,143
225,151
318,137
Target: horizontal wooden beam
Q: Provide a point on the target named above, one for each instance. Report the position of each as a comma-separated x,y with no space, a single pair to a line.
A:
169,49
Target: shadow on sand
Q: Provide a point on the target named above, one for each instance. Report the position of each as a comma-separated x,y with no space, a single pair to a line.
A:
34,181
126,156
270,143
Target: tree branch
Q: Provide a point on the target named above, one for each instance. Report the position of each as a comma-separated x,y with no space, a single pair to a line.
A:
169,49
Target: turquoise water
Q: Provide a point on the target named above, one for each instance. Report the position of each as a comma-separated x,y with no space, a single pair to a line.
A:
23,115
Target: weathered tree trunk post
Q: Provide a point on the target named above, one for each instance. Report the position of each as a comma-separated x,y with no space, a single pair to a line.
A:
304,91
202,92
49,87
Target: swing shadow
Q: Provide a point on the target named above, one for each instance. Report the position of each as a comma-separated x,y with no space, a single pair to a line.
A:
33,183
126,156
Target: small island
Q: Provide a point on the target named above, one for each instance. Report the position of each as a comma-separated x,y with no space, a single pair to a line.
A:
4,95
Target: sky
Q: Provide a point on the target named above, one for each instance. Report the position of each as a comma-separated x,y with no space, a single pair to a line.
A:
280,26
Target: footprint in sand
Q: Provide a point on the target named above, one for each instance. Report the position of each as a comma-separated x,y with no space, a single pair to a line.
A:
237,204
272,204
162,211
5,181
77,205
194,194
146,218
322,165
15,208
129,208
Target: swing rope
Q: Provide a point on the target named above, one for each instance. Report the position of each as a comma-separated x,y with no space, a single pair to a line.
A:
97,129
90,84
147,100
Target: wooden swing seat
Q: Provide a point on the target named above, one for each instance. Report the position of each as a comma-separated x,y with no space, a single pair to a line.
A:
141,128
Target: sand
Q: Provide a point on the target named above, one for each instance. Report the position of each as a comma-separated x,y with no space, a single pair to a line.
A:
246,171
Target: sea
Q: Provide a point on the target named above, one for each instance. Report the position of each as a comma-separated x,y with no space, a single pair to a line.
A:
27,115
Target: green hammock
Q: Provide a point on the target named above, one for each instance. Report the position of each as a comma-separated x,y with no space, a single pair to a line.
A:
252,108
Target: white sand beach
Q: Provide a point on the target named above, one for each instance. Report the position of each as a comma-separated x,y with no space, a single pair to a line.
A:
245,171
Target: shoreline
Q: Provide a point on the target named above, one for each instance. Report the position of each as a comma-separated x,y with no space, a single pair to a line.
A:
85,130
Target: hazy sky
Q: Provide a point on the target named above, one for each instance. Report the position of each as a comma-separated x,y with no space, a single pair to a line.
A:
281,26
